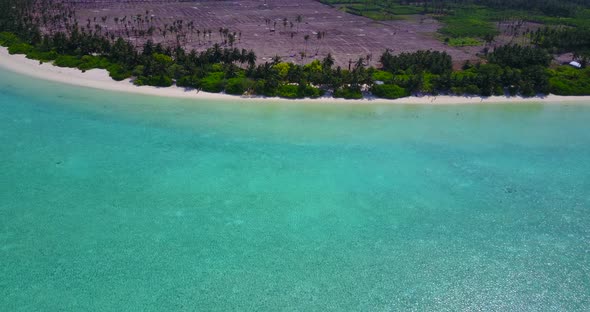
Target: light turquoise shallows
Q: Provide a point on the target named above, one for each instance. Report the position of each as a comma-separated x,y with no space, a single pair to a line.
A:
117,202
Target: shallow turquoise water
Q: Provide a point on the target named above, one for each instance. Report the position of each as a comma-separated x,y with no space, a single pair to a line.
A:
115,202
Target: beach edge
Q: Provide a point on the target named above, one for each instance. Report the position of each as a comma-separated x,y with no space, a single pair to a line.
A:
100,79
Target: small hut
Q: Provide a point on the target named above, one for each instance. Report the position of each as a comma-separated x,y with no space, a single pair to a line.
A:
575,64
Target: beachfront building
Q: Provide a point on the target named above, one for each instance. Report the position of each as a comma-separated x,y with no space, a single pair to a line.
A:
575,64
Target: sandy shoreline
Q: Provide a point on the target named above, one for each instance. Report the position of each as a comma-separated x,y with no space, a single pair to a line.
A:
99,79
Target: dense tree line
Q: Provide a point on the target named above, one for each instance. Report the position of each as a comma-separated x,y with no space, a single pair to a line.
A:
547,7
493,79
516,56
510,69
564,39
563,8
432,61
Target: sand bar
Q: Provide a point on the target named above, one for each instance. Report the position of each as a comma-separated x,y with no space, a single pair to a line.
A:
99,79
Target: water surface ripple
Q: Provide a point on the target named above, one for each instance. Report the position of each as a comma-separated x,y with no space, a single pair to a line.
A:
116,202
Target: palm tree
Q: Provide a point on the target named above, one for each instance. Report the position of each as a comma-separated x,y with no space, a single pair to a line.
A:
328,61
299,19
319,37
231,39
243,56
251,57
276,59
306,38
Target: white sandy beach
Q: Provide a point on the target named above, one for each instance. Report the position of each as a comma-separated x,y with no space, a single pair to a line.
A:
99,79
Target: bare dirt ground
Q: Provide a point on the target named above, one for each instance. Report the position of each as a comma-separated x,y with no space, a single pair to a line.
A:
269,28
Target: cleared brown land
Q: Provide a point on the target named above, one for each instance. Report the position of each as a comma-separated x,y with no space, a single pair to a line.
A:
263,29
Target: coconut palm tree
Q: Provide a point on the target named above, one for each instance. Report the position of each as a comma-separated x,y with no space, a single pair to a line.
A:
306,38
251,57
299,19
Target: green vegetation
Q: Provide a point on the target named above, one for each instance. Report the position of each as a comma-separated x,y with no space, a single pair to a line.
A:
67,61
432,61
288,91
42,56
389,91
8,39
118,72
20,48
238,85
564,39
566,80
377,9
213,82
351,93
492,79
463,42
511,70
88,62
381,75
471,22
550,8
519,57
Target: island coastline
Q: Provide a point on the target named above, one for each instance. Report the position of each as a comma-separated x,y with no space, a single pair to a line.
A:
100,79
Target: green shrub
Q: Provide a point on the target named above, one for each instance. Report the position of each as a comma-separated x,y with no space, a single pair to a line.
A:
154,81
237,86
189,82
160,81
380,75
498,91
67,61
138,70
263,87
463,42
311,92
118,72
139,81
20,48
389,91
212,82
527,89
457,90
566,80
177,71
472,22
216,68
289,91
7,39
42,56
293,91
472,90
348,93
88,62
260,88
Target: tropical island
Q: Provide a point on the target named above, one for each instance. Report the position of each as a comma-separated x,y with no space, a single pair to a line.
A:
476,48
307,155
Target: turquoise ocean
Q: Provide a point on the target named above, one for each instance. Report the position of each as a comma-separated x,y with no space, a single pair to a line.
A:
121,202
